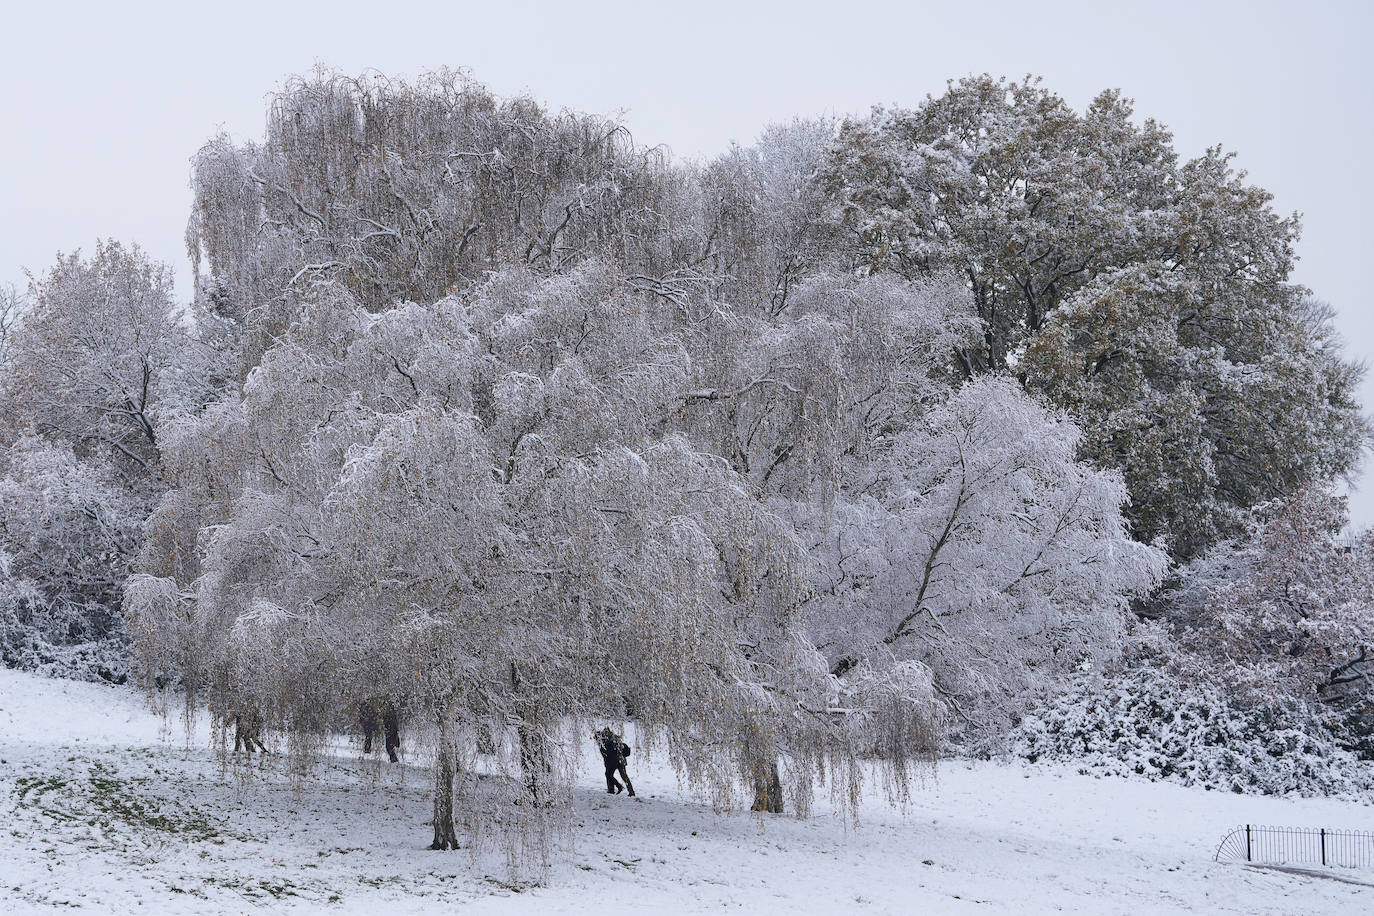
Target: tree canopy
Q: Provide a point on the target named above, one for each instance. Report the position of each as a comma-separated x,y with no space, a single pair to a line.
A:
1151,298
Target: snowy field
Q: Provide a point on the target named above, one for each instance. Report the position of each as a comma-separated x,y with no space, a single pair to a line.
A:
101,810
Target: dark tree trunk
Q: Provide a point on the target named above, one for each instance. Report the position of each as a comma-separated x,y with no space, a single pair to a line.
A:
534,750
534,762
444,835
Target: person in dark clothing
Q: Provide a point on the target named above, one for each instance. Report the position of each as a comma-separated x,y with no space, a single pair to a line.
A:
378,715
248,731
613,754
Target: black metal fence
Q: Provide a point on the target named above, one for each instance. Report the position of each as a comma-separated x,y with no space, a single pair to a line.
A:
1298,846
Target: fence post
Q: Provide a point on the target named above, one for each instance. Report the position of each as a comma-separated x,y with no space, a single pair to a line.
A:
1247,843
1323,845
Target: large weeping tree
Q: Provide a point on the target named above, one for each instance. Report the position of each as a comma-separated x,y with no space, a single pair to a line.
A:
407,191
480,508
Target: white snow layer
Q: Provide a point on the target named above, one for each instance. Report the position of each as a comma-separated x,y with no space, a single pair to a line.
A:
102,809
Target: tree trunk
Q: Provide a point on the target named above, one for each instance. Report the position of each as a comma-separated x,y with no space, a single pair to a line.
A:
534,750
534,761
768,791
444,835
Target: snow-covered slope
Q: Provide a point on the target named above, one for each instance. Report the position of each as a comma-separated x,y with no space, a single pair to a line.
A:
100,808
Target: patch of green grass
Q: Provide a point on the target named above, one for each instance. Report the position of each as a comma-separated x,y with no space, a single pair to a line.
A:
379,881
24,786
34,792
121,799
255,888
105,799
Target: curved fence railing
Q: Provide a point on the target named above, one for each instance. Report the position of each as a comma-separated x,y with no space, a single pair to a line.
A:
1298,846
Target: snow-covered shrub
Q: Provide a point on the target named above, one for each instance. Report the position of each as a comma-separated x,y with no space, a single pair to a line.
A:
99,358
69,527
54,639
1287,611
1149,722
98,660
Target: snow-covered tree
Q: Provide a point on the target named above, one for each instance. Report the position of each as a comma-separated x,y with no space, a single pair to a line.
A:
93,365
761,209
988,553
479,508
13,304
1210,404
1006,185
803,400
68,528
1149,298
91,362
1286,613
844,412
409,190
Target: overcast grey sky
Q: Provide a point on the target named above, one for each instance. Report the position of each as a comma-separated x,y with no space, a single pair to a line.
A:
103,106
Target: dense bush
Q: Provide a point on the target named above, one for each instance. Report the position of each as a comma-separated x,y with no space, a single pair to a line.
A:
1149,722
57,640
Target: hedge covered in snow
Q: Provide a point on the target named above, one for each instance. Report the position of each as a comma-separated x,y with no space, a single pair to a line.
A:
56,640
1147,722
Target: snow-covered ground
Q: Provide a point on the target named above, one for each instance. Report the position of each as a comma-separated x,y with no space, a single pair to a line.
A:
101,809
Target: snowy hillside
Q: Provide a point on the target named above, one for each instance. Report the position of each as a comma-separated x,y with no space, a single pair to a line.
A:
105,811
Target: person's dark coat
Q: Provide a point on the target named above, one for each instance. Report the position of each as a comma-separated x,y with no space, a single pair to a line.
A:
614,753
